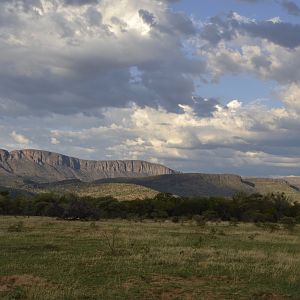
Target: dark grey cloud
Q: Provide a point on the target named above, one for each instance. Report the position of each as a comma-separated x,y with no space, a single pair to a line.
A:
204,107
180,22
25,5
291,7
283,34
251,1
80,2
218,29
147,17
94,17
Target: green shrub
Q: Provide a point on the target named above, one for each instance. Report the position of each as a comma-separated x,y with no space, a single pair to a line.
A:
289,223
93,225
16,227
234,222
175,219
200,220
271,227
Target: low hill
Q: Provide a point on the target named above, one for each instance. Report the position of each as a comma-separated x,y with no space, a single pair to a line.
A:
14,193
271,185
120,191
294,181
191,184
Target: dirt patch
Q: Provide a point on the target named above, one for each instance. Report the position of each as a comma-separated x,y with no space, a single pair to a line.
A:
190,280
268,296
166,287
8,283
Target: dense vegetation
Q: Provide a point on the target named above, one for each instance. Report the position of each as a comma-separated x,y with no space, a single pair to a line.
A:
242,207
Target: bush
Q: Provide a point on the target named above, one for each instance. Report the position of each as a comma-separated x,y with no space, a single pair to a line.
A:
200,220
17,227
271,227
210,215
175,219
234,222
93,225
289,223
4,193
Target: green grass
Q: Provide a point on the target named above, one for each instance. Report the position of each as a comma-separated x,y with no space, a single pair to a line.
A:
51,259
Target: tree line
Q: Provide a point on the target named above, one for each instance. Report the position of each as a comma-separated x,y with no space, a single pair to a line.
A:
241,207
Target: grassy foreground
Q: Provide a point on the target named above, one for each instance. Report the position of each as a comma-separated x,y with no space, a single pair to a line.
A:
44,258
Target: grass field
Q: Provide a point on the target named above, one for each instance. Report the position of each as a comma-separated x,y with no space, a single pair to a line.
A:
44,258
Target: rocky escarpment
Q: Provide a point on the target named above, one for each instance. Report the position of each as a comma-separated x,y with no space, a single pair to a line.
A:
44,166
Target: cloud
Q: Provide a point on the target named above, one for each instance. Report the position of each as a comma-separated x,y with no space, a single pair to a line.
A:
122,79
80,2
147,17
54,141
84,61
279,33
19,138
291,7
251,1
235,45
283,34
290,95
235,136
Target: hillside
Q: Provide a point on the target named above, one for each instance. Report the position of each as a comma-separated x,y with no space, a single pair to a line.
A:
191,184
271,185
43,166
120,191
293,180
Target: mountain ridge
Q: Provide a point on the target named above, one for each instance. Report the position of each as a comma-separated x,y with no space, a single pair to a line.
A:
47,166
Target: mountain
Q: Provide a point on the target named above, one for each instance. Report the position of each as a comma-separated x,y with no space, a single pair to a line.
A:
43,166
40,171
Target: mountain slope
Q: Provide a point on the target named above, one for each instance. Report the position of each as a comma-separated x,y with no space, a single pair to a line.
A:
191,184
120,191
294,181
272,185
44,166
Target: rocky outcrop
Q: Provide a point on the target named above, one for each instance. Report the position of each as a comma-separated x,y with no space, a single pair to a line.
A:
45,166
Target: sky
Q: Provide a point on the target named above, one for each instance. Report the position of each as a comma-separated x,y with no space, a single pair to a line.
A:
200,86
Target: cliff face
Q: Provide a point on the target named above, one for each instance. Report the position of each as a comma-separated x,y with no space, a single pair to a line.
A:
44,166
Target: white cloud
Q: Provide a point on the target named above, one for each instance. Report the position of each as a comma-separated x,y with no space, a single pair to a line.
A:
290,95
54,141
19,138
